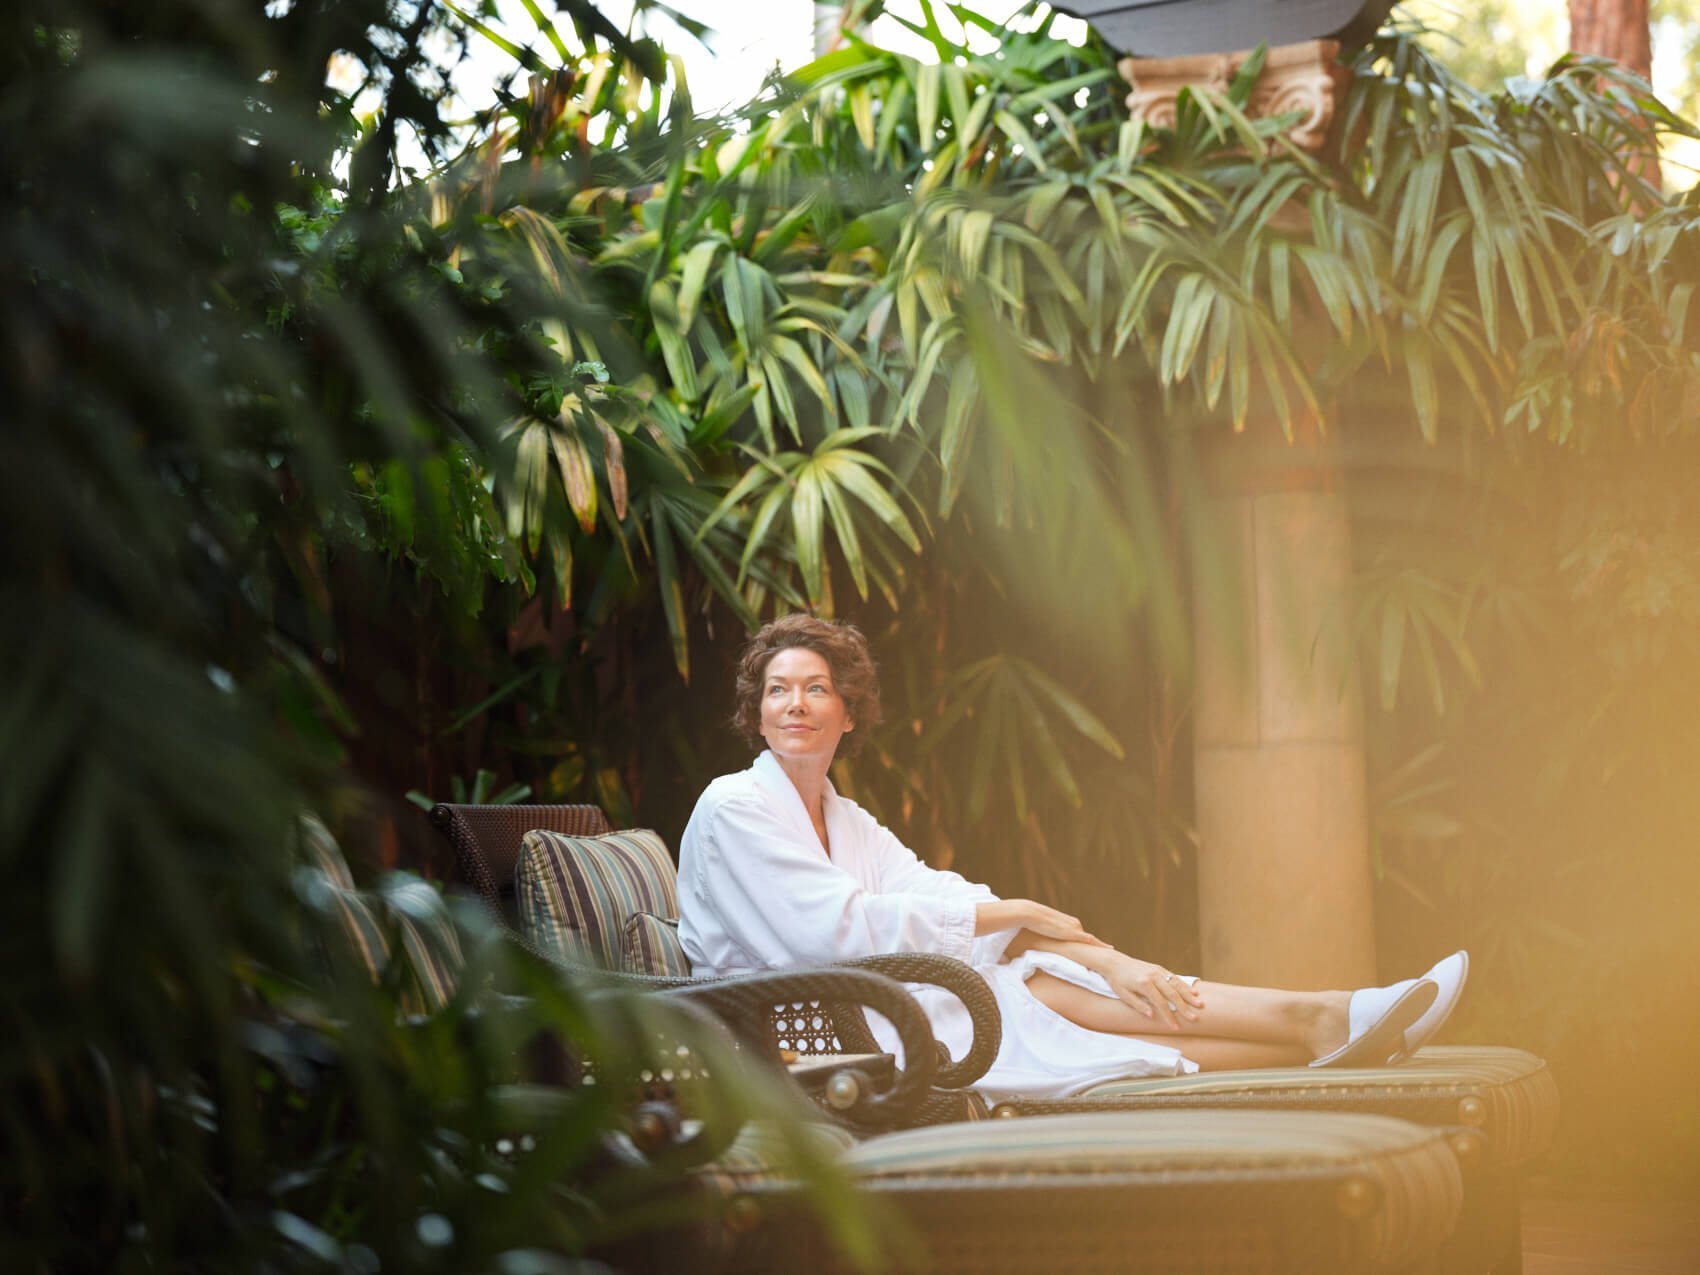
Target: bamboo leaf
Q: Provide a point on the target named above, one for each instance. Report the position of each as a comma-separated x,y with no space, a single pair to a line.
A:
561,564
742,286
1041,202
894,109
1392,651
1438,257
1017,132
1037,732
675,350
927,104
1281,281
780,388
956,89
1187,317
578,478
698,261
852,473
853,394
862,113
1487,285
614,462
1676,312
973,230
953,438
805,367
672,589
1516,276
767,513
1077,714
1411,228
1425,395
723,413
807,512
844,527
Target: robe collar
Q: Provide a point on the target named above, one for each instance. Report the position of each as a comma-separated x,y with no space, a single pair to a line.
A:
774,782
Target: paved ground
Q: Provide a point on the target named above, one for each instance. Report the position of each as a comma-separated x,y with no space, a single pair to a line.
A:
1572,1235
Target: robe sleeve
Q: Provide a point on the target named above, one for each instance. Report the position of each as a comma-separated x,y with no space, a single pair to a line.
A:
901,869
787,904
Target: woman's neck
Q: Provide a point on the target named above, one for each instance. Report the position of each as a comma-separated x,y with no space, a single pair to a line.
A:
808,777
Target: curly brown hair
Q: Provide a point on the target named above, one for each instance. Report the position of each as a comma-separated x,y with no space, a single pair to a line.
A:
845,651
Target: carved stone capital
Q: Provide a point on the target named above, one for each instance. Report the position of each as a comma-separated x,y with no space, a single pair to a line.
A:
1306,79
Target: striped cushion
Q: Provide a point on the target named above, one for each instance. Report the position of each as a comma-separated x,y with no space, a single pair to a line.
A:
760,1151
428,936
1166,1142
1508,1094
652,947
405,910
1359,1192
574,893
1395,1187
320,850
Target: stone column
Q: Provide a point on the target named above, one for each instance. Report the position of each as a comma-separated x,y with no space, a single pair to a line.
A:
1284,879
1285,893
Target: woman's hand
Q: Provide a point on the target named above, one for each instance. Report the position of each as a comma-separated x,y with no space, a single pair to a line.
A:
1025,914
1153,991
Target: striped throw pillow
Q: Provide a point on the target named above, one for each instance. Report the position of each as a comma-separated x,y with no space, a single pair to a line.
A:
408,915
653,947
574,894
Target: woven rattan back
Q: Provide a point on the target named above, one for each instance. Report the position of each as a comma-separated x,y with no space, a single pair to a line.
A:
486,841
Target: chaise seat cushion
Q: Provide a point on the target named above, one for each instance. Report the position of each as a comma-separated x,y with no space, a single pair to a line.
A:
1140,1191
1506,1096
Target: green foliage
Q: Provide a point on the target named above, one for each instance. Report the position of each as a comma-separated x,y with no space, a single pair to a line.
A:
248,384
464,473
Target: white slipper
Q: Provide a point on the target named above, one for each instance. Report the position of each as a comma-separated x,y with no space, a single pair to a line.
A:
1376,1019
1448,976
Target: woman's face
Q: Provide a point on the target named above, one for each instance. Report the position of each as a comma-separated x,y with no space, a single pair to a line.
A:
802,714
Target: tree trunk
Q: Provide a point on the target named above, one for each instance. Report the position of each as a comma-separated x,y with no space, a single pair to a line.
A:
1615,29
1622,31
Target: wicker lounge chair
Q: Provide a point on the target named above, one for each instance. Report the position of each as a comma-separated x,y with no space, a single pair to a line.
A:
1497,1106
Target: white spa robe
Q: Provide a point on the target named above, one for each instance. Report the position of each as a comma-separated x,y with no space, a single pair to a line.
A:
758,892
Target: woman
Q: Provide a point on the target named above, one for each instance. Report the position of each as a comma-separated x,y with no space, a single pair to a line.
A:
778,871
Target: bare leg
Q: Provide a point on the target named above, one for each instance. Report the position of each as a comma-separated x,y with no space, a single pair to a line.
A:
1238,1026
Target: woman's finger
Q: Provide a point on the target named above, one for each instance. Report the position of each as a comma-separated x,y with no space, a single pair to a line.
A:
1134,1001
1164,1002
1184,991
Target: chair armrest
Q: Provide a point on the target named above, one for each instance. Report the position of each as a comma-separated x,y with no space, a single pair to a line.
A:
745,1003
961,981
